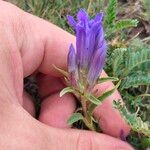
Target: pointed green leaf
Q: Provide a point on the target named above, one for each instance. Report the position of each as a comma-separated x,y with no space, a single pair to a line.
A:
91,108
74,118
94,100
66,90
137,60
126,23
132,119
135,80
108,93
110,14
94,120
65,73
99,100
117,61
144,95
105,79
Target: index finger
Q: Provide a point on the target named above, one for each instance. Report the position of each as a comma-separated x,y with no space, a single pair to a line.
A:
56,49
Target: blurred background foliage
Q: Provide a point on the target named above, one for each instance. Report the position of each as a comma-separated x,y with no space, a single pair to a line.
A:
129,50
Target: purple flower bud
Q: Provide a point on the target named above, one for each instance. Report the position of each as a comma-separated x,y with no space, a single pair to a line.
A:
91,48
99,17
71,60
82,16
72,66
71,21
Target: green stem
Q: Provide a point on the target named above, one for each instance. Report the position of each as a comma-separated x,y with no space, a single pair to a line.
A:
83,103
147,90
91,109
89,125
88,118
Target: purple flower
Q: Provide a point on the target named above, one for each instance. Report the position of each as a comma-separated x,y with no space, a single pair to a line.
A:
86,62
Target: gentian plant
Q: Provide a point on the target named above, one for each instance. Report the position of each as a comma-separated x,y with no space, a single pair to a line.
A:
85,64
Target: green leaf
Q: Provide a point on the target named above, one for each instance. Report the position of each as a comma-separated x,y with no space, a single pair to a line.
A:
144,95
110,13
125,61
65,73
108,93
137,45
99,100
126,23
135,122
136,80
105,79
66,90
137,60
74,118
117,61
120,25
145,143
94,100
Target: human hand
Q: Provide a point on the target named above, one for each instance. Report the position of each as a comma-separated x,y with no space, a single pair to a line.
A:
30,45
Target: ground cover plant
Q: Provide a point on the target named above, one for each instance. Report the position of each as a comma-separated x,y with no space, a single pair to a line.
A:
126,25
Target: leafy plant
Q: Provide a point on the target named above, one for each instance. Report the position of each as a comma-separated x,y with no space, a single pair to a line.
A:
84,66
112,26
131,65
129,62
133,120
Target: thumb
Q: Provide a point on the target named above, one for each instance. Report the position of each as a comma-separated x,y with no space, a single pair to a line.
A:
70,139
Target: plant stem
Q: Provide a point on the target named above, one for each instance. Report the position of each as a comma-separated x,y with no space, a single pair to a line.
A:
83,103
91,109
88,118
89,125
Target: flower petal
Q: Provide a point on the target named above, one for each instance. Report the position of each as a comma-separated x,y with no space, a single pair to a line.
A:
71,21
99,17
91,39
99,37
80,44
97,64
82,15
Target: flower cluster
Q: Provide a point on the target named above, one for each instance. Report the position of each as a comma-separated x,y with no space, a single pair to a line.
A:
86,62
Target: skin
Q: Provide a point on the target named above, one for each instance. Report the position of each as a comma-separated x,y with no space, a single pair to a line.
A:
30,45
